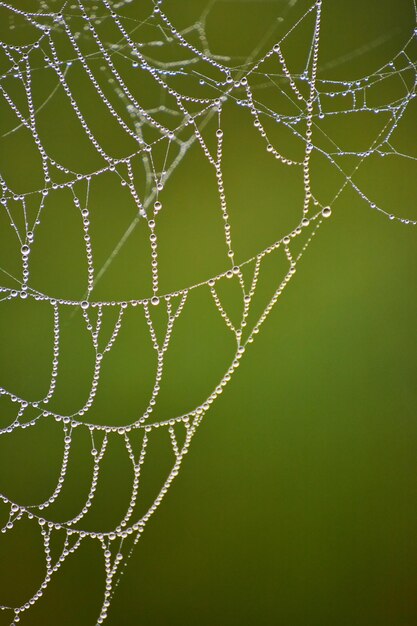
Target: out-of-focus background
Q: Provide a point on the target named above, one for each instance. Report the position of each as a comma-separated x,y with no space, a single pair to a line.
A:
297,503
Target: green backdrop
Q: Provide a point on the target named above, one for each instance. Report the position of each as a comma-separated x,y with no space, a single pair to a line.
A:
296,505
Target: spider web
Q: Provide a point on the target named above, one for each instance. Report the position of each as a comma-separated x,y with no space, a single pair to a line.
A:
108,47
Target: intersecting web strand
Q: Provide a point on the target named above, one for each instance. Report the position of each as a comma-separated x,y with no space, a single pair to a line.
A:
239,85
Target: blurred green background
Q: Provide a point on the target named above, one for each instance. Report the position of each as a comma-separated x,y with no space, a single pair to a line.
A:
297,504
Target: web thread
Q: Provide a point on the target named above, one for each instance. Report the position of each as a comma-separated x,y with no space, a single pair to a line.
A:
172,128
